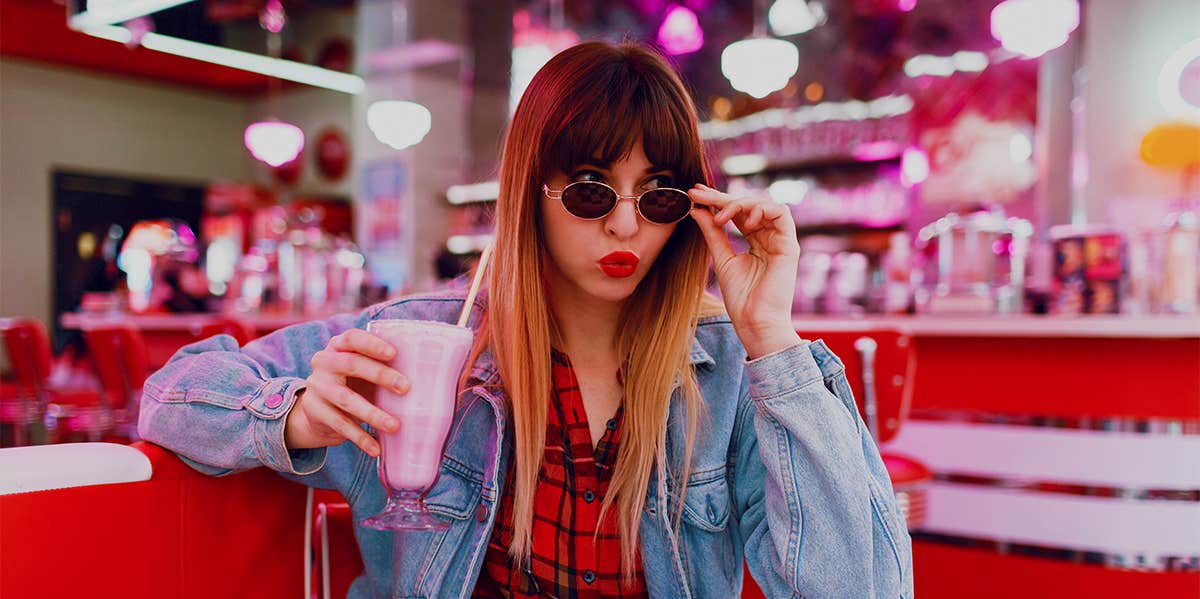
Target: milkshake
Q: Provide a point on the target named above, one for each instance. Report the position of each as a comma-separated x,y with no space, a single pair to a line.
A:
432,355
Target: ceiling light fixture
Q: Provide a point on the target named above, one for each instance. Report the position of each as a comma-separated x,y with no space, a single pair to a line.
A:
680,32
1034,27
111,12
237,59
271,140
760,64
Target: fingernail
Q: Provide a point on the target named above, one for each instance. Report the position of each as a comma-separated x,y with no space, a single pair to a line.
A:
389,351
391,424
400,384
374,450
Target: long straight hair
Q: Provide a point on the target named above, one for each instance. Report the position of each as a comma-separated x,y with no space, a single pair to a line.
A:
598,99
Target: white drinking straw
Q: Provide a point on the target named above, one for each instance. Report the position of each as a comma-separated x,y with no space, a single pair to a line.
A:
483,262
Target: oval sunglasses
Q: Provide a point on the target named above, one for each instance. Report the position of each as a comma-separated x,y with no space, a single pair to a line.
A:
591,200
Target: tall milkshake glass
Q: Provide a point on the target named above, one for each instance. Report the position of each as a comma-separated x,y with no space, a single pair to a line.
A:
432,355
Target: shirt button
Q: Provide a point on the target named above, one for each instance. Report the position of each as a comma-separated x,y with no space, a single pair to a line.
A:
589,496
274,401
589,576
612,424
481,513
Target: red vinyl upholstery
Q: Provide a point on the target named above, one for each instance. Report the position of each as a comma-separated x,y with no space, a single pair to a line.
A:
30,396
180,534
240,330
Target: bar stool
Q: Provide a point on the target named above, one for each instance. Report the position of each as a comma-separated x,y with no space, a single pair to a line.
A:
66,411
334,549
880,365
119,353
235,327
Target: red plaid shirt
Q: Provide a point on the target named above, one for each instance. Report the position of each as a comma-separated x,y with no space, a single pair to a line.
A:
567,500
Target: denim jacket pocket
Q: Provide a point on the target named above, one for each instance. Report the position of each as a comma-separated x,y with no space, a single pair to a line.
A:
455,494
706,504
893,521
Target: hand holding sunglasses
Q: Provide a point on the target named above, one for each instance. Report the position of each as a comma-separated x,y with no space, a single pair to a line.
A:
591,200
757,285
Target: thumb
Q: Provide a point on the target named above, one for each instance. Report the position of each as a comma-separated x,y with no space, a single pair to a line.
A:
714,235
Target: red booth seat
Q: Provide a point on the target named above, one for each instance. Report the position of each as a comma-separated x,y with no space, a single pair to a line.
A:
174,534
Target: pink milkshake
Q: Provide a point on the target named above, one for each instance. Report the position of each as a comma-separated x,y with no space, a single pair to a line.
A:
432,355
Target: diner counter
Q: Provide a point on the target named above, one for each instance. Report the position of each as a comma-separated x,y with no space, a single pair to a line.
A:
1162,326
1017,325
261,322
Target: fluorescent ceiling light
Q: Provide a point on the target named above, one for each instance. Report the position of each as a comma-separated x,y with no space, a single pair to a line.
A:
237,59
744,164
111,12
474,192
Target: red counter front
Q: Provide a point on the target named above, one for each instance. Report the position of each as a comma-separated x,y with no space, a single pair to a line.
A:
1066,455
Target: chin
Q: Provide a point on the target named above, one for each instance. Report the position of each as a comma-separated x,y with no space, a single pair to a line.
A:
612,290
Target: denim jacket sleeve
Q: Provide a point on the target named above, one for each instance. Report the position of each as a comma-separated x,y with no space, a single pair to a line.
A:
223,409
817,511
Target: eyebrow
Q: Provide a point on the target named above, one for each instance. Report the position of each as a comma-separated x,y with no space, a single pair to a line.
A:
653,168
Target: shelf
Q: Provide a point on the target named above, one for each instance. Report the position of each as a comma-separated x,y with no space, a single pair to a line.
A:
807,164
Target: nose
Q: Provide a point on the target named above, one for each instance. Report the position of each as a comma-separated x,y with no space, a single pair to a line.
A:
622,222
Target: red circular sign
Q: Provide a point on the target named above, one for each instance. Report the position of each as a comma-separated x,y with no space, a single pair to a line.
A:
333,154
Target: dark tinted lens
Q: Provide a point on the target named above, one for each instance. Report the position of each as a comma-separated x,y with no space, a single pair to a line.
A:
664,206
588,200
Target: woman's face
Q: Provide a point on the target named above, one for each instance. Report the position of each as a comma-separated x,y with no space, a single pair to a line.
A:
581,261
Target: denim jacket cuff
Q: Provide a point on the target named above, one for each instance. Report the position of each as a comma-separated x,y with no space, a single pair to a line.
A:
782,372
271,405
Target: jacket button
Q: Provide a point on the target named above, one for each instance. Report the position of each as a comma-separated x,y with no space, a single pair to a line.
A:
589,576
481,513
274,401
589,496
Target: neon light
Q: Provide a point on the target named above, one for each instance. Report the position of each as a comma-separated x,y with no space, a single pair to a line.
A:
110,12
237,59
1180,71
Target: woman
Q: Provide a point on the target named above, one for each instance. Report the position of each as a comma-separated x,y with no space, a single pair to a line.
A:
619,432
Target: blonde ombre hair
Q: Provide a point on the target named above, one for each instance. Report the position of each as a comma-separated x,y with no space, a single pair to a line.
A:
598,99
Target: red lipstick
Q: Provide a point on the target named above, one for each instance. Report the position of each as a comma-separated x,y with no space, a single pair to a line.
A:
619,264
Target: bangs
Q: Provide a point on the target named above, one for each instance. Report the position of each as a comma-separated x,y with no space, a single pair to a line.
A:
616,105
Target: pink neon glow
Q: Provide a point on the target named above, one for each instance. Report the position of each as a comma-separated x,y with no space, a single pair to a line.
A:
906,5
680,32
877,150
914,167
1034,27
274,142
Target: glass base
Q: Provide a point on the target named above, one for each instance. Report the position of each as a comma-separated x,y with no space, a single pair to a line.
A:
405,511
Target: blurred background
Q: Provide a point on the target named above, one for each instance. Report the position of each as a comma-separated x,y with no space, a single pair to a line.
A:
1003,192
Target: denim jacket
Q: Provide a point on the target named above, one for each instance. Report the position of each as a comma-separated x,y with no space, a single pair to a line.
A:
784,472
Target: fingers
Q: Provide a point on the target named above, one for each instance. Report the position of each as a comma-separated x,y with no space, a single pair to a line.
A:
360,341
352,404
703,194
714,236
348,429
349,364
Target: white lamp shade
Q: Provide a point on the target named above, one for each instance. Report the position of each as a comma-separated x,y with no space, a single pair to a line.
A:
793,17
1034,27
759,66
273,142
680,32
398,123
